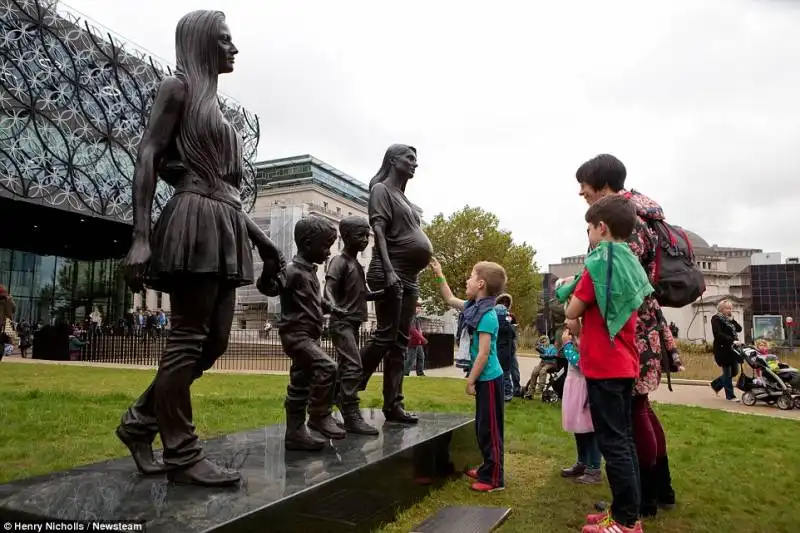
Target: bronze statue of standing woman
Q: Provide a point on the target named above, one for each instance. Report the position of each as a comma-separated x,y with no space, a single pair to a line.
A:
199,250
401,252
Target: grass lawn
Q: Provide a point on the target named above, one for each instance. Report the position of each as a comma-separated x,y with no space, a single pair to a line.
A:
732,473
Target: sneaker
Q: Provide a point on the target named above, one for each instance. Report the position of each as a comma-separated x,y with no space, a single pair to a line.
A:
575,470
592,476
609,525
471,473
596,518
479,486
734,400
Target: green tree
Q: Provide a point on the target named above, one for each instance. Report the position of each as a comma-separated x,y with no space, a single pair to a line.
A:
472,235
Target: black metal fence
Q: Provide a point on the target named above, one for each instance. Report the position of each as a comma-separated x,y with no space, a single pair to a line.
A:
249,350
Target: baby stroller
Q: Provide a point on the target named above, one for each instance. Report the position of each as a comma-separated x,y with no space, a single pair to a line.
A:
554,387
781,387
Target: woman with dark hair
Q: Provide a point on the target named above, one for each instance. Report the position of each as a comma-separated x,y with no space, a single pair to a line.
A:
602,176
199,250
401,252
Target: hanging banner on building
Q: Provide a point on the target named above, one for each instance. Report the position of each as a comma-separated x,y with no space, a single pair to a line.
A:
769,327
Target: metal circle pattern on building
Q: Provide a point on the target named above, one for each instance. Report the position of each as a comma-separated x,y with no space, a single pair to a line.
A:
74,101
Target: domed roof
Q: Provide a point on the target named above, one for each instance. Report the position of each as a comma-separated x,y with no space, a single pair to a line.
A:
696,240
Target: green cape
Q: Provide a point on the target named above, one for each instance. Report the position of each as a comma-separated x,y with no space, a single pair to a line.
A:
620,283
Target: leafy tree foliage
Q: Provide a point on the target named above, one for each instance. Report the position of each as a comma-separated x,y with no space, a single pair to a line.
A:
472,235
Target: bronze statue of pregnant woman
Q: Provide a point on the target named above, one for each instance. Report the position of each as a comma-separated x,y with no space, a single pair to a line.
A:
401,252
199,250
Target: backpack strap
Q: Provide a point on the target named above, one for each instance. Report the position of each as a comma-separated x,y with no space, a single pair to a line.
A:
668,363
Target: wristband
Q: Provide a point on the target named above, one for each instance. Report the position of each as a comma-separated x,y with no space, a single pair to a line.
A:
439,279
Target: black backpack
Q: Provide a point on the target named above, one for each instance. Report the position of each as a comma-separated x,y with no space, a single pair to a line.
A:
677,279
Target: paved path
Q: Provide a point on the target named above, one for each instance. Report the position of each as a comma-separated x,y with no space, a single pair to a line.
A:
684,392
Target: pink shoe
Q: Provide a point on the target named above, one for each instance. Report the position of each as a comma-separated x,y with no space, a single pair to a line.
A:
471,473
609,525
596,518
485,487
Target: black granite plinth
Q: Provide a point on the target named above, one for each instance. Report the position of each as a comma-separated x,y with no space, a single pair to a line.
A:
353,485
464,519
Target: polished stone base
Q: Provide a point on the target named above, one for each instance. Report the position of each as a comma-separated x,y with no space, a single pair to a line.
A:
464,519
353,485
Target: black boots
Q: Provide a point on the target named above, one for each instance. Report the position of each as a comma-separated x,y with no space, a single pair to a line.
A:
355,423
398,414
649,503
298,438
657,492
204,473
663,481
327,426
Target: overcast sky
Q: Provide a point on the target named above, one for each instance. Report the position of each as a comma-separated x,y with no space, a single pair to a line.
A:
504,100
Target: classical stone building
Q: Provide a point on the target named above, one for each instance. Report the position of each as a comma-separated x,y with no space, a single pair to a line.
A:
289,189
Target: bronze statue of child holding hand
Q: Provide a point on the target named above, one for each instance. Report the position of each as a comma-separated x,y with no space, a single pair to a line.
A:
313,372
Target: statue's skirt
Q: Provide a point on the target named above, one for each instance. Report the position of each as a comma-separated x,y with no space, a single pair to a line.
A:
200,233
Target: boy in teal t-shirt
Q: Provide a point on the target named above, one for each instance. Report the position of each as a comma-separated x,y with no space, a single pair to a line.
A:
491,325
485,379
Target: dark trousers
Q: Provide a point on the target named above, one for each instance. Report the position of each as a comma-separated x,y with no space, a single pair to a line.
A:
651,448
344,334
388,343
489,407
415,359
725,381
508,386
202,312
515,376
312,376
647,433
588,452
610,404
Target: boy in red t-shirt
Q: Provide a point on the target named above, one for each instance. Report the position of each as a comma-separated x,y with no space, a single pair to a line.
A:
606,297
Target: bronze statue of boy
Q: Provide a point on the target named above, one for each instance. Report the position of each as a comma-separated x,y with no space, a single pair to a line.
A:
312,374
347,295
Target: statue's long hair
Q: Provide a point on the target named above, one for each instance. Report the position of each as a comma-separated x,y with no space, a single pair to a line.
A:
208,145
394,150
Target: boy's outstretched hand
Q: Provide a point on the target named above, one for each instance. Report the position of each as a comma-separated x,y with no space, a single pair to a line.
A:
435,266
